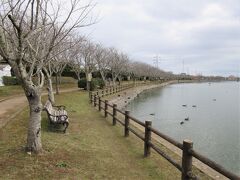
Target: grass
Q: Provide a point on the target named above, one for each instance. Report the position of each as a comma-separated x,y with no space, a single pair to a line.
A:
6,91
10,91
91,149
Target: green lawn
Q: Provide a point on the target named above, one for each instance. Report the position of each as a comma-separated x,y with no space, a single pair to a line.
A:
91,149
9,91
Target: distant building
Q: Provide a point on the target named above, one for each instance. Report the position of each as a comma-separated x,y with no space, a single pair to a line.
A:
5,70
233,78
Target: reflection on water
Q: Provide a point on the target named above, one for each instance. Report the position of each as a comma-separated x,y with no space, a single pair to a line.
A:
213,125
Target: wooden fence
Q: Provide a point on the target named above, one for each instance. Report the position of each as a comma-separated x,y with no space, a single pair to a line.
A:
186,147
115,89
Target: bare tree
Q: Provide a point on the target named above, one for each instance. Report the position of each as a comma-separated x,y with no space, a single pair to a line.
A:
117,64
29,32
76,65
52,66
89,62
77,59
103,58
60,61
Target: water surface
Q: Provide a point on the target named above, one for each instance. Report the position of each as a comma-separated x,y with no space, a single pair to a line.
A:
213,126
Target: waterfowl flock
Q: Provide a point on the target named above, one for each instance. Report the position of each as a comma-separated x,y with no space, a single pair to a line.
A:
194,106
187,118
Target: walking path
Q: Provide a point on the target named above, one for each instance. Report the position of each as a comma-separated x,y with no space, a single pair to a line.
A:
10,107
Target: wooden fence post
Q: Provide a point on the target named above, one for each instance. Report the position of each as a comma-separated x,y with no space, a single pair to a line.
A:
102,92
110,90
106,91
126,125
148,132
114,114
186,159
95,100
99,104
106,107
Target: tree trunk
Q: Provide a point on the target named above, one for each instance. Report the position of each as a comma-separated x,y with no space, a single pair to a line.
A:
119,80
88,85
50,91
57,87
60,78
103,78
34,126
88,82
78,76
114,81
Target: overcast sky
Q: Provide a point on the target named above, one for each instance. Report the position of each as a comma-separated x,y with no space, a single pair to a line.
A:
204,34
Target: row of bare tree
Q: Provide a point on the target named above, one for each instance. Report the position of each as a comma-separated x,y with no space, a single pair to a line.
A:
38,38
90,57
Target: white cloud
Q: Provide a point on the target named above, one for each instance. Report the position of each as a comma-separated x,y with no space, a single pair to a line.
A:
202,31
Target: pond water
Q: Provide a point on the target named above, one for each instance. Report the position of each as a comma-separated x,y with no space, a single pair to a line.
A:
213,125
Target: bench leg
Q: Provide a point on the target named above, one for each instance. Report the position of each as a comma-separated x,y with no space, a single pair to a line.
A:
66,126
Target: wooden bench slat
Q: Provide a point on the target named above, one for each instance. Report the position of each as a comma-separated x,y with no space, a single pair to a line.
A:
57,116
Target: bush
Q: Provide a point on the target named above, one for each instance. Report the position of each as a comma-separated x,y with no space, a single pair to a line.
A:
82,83
95,83
100,83
9,81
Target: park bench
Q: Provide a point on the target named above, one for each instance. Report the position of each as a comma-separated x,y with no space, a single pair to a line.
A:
57,114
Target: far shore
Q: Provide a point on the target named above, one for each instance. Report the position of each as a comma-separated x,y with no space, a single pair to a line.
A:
129,95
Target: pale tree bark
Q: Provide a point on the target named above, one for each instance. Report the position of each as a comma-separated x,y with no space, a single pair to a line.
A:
34,124
57,83
48,74
50,90
33,94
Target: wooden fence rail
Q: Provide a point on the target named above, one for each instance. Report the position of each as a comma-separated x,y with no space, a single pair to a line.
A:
187,146
109,90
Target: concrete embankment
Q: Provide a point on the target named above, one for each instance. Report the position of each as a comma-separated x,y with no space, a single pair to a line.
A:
130,94
123,98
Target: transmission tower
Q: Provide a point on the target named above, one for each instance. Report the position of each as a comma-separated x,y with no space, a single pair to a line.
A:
156,60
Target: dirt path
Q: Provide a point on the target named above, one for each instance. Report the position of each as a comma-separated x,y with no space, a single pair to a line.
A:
9,108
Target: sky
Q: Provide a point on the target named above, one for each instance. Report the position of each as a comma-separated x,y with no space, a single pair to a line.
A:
196,37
